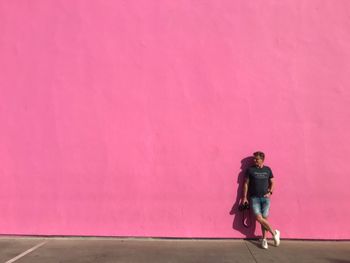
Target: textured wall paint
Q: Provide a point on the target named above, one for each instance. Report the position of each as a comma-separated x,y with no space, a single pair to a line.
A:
131,118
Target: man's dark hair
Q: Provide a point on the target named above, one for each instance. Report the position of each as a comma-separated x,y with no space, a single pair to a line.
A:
260,155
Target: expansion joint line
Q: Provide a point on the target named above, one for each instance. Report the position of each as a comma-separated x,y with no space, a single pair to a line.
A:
245,242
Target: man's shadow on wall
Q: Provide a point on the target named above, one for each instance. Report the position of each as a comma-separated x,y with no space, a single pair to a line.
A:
238,215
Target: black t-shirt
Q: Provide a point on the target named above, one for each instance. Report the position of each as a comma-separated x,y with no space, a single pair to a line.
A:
258,180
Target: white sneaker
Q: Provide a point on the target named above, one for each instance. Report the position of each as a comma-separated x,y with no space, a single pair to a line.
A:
276,238
264,244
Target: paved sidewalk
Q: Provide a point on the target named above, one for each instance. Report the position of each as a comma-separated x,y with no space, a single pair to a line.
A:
47,250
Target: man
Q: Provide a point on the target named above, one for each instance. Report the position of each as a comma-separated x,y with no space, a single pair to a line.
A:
259,181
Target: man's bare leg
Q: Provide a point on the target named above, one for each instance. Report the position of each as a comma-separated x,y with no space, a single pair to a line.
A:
263,230
265,224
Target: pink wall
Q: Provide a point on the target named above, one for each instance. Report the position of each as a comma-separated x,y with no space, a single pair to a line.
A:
131,118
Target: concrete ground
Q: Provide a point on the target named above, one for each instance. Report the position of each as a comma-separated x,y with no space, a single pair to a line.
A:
20,250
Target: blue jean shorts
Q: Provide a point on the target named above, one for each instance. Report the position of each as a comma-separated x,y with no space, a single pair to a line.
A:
260,206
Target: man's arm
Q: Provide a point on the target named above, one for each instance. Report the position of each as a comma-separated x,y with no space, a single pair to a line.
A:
271,187
245,191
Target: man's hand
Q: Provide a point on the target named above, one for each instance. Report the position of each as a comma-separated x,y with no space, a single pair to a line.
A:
267,195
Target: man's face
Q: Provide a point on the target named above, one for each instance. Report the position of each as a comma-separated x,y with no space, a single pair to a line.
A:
258,161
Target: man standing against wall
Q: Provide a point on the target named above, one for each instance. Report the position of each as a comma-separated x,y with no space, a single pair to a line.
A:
259,183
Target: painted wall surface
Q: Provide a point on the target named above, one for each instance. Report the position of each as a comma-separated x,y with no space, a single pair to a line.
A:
135,118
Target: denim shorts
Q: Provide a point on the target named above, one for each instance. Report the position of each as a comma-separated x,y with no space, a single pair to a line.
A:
260,205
